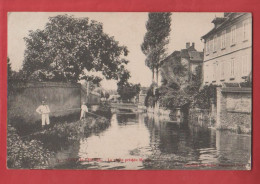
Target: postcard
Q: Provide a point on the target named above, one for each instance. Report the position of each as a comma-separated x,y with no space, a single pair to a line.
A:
129,90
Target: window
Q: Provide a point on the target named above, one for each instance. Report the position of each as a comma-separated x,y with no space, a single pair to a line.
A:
222,70
211,45
245,30
206,73
207,46
215,43
214,71
223,39
233,35
246,63
232,68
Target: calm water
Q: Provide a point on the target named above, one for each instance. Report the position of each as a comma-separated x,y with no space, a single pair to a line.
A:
142,141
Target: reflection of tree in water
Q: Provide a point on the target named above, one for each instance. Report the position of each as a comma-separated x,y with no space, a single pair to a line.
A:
68,157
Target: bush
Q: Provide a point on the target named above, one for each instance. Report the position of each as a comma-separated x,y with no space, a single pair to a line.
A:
246,84
104,109
37,149
205,97
26,153
62,134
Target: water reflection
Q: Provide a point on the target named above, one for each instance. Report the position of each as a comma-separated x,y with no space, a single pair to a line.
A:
132,138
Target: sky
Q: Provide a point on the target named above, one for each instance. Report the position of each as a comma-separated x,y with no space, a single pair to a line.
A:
127,28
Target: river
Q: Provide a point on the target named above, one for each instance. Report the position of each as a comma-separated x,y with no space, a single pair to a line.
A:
143,141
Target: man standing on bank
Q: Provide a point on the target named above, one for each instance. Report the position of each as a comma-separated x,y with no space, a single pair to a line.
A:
44,110
84,109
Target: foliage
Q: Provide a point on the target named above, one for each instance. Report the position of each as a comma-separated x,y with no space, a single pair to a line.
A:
205,97
68,47
156,38
173,71
125,89
13,77
26,153
37,149
152,95
128,90
246,84
173,97
104,109
105,95
195,82
179,85
62,134
9,69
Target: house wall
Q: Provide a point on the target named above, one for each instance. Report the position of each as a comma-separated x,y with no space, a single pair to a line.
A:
230,61
234,109
219,70
142,99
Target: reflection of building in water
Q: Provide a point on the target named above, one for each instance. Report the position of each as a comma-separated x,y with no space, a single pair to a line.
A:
173,138
234,148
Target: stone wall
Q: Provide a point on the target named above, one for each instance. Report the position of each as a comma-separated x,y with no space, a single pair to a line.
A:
90,98
201,117
23,99
234,109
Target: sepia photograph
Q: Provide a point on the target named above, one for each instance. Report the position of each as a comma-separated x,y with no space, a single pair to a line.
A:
129,90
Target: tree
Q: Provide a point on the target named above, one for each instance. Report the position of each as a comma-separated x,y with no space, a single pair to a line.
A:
9,69
107,95
68,47
127,91
155,40
13,77
152,95
204,97
177,90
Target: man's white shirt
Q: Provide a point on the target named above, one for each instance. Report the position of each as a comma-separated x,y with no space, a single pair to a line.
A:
43,109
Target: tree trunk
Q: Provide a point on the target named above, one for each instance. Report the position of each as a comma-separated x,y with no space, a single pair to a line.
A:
153,75
157,75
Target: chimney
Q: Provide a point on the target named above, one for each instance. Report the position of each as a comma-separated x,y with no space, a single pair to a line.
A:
218,21
193,45
187,45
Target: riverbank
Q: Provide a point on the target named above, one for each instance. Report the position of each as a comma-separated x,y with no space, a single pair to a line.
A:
37,150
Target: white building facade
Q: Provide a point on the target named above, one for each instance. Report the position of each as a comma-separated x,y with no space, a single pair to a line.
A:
228,49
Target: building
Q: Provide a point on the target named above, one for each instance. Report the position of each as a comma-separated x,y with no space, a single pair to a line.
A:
189,57
228,49
142,95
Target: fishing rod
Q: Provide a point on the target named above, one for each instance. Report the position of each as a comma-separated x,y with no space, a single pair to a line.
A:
77,109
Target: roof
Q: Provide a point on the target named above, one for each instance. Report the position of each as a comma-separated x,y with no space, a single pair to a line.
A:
171,56
195,56
221,22
184,53
191,53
